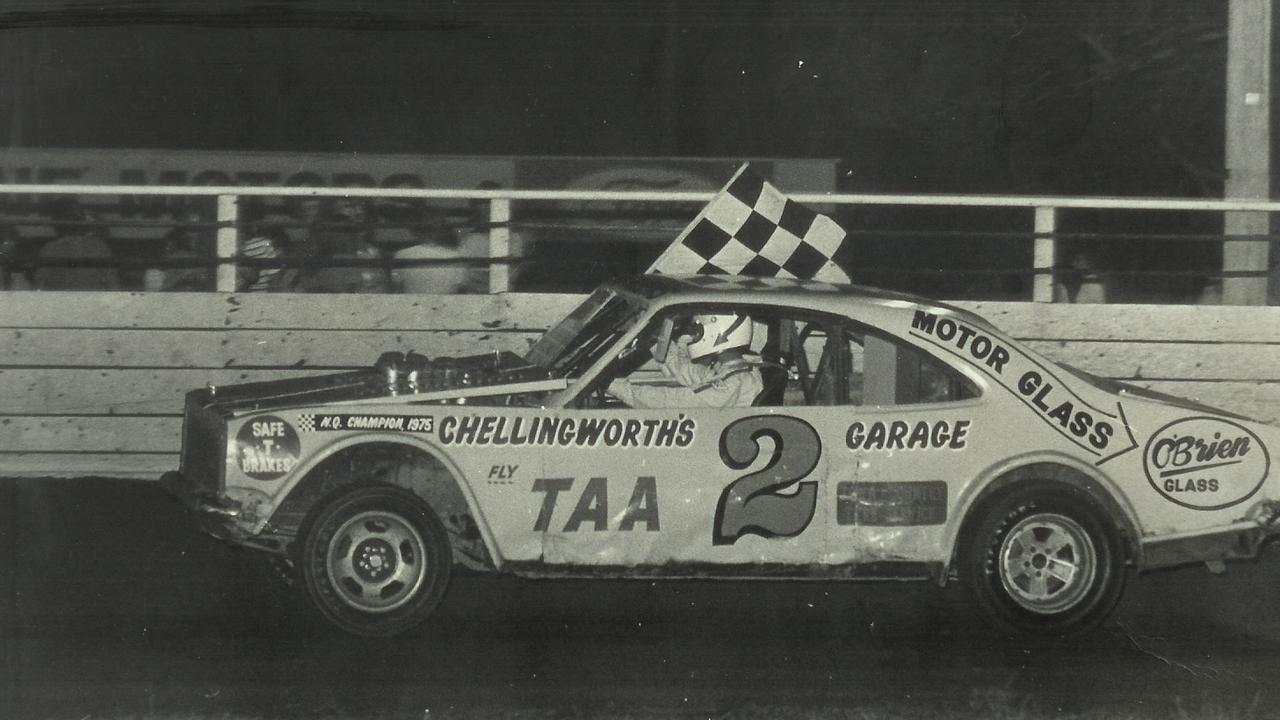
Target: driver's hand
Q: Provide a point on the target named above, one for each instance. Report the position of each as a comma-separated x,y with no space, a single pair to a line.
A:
678,359
620,389
677,355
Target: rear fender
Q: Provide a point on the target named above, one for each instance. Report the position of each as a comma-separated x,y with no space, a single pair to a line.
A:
1062,470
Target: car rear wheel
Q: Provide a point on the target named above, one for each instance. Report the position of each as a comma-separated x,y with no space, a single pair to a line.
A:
1044,561
375,560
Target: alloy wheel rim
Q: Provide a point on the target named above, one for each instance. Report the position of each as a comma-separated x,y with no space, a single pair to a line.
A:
1048,563
376,561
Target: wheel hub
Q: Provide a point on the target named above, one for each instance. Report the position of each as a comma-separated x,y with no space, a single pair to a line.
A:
374,560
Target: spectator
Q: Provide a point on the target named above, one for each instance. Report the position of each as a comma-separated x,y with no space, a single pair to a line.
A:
434,265
263,241
308,214
345,233
189,247
475,239
1079,282
458,262
12,276
78,257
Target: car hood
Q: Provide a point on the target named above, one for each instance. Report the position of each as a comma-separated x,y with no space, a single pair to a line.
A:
394,375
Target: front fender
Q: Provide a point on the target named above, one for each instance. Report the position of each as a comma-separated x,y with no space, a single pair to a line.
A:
301,479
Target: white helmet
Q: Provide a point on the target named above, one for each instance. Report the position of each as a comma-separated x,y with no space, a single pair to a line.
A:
716,333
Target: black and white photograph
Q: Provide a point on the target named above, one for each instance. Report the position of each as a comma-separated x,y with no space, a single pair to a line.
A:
639,359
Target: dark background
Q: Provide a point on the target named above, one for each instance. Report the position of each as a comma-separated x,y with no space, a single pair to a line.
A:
112,605
1020,97
1001,96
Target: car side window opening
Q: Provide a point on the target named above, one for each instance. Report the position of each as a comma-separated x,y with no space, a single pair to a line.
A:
885,371
827,361
804,359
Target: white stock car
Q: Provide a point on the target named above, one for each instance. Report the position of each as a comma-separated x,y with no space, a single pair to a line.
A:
894,438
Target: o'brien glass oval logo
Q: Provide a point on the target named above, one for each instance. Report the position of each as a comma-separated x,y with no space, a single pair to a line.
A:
266,448
1205,463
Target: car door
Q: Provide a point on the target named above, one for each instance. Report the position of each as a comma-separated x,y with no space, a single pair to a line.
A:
687,489
914,434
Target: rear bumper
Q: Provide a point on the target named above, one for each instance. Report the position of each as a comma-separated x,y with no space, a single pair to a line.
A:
1240,540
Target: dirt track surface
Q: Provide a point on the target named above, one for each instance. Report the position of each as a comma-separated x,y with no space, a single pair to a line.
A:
112,605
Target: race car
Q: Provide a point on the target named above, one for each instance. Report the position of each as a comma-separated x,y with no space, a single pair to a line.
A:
891,438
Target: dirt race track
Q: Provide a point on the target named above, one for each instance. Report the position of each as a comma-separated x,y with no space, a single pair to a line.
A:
114,606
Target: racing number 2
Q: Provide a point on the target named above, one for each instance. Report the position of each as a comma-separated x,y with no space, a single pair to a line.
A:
753,504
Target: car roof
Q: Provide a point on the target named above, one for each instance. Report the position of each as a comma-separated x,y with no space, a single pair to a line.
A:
676,289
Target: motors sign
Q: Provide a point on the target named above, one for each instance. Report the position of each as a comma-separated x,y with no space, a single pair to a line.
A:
21,166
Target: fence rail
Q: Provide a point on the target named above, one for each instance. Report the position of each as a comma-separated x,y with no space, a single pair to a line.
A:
1243,284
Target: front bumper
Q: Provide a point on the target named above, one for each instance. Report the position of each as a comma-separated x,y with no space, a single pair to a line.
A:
216,515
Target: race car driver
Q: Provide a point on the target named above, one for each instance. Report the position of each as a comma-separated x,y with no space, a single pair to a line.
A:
709,359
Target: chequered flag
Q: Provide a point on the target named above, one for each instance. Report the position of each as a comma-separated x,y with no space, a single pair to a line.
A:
751,228
306,422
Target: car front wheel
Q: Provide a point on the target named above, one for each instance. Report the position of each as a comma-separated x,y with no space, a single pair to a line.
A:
375,560
1045,561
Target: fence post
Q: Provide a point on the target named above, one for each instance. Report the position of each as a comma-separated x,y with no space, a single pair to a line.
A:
1045,254
499,245
1248,150
228,243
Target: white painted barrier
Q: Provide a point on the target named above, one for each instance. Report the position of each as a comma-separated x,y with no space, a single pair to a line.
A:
92,383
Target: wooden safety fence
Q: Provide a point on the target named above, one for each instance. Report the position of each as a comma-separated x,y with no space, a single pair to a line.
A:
92,383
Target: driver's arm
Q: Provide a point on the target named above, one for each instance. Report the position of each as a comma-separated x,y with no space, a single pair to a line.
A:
652,396
676,365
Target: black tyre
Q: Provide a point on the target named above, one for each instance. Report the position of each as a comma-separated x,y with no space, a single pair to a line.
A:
1044,560
375,560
